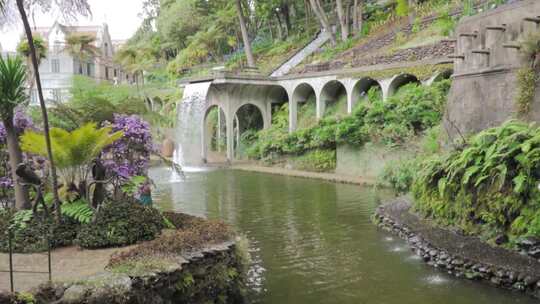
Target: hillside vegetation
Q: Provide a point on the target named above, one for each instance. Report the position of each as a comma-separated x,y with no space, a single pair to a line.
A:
187,38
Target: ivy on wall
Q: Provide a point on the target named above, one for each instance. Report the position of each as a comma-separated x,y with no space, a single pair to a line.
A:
527,79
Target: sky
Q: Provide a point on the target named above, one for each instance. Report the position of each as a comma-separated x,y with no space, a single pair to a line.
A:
121,16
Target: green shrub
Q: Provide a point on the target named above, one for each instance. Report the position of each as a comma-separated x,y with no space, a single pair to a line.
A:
317,160
30,232
120,224
491,186
399,174
526,85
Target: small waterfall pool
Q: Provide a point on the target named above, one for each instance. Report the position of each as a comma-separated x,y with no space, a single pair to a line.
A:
313,242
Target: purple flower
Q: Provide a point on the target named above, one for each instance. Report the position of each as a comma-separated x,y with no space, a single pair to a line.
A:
130,155
5,182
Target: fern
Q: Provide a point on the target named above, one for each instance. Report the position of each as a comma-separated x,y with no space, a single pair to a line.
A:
79,211
490,185
21,219
73,151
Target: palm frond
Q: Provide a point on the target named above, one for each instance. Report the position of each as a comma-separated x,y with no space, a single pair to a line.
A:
12,84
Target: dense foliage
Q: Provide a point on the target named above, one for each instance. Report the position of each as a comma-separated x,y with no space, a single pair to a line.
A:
120,224
490,187
409,112
31,232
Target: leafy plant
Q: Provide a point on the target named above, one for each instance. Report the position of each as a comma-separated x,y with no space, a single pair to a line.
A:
399,174
490,185
120,224
78,210
132,186
73,151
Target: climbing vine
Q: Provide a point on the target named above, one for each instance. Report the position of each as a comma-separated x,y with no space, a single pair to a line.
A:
526,87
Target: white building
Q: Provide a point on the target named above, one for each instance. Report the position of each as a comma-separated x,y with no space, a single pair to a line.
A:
57,69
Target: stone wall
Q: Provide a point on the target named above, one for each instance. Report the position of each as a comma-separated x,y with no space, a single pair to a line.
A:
367,161
487,58
211,275
462,256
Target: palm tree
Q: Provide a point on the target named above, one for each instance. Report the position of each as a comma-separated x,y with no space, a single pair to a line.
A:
81,47
131,60
13,94
24,50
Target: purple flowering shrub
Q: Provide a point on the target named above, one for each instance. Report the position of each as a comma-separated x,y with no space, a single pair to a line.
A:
130,155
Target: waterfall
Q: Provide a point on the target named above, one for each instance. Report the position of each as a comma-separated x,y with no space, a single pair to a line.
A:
189,125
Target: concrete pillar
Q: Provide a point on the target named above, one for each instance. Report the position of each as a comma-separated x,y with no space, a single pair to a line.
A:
218,130
268,120
349,102
293,114
320,106
385,87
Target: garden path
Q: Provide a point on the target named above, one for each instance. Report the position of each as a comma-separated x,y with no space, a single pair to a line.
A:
68,264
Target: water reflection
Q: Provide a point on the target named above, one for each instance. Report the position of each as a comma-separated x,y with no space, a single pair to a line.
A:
313,242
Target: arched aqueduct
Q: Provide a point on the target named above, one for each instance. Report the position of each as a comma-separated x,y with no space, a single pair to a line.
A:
230,93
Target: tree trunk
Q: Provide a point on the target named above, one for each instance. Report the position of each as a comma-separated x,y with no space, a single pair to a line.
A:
279,26
357,16
411,12
15,158
287,17
342,20
321,15
245,37
28,31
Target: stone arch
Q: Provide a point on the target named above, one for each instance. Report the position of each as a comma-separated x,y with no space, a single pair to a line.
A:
331,93
362,87
303,94
446,74
248,116
214,138
276,98
400,80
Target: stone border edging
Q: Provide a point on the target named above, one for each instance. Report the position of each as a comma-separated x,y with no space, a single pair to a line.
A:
331,177
457,265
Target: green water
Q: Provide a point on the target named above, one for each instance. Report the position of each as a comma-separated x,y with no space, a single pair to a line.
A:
312,241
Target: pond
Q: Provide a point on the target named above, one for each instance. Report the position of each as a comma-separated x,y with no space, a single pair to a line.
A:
313,242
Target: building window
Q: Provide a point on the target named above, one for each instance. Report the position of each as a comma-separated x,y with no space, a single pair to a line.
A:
55,65
90,69
106,49
57,94
115,73
106,73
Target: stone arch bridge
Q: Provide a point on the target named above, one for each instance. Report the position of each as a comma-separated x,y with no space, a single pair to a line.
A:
230,93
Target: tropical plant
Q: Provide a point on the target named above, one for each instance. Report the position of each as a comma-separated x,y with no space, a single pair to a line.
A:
81,47
23,49
489,187
73,151
78,210
13,94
